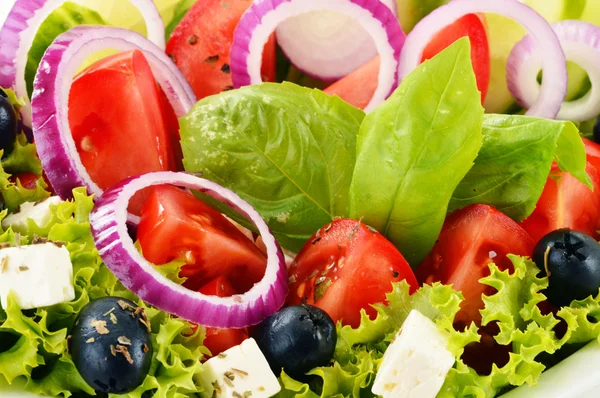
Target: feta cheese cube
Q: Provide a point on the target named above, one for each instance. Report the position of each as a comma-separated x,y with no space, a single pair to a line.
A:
39,213
39,275
240,371
415,365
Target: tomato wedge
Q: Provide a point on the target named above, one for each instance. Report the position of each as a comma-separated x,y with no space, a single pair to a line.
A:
359,86
175,225
472,26
122,123
472,238
201,43
27,180
567,203
219,340
346,267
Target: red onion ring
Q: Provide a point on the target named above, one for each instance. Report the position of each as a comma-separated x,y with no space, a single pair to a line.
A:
263,17
21,26
52,133
581,44
108,221
327,45
553,90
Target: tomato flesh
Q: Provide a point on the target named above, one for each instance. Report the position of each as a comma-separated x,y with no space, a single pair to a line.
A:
473,27
346,267
219,340
201,43
471,238
27,180
359,86
121,122
175,225
568,203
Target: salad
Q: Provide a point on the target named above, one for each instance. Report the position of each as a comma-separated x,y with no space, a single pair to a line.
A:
298,198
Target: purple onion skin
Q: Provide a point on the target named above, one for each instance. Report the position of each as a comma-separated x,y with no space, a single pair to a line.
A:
253,18
16,22
116,251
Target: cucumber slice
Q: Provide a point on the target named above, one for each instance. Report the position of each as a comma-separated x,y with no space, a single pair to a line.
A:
62,19
504,33
410,12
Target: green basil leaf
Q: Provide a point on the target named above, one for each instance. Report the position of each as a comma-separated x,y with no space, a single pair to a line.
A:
514,162
288,150
59,21
415,149
570,154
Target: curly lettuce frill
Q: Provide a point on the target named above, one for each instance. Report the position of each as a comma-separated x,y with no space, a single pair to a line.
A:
533,335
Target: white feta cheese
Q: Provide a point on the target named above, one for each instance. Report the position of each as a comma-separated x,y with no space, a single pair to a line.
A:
240,370
416,363
39,213
39,275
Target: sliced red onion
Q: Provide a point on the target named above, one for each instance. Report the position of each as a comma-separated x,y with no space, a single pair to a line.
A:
553,90
21,26
55,144
263,17
581,44
108,221
327,45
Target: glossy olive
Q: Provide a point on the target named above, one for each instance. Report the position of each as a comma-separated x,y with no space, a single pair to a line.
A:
297,339
571,260
9,125
111,346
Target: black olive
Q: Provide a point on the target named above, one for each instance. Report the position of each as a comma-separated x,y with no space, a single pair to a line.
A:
596,137
297,339
3,93
571,260
111,346
9,125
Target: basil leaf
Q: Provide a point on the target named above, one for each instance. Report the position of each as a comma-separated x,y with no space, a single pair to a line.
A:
288,150
570,154
59,21
514,162
415,149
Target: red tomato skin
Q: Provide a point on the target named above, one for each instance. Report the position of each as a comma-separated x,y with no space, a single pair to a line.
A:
176,225
27,180
120,121
357,262
592,151
568,203
219,340
462,254
359,86
201,43
474,27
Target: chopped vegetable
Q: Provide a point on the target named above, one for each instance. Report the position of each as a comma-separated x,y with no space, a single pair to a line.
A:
297,339
571,261
111,346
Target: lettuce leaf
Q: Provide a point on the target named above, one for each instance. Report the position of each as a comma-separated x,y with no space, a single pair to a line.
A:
359,351
22,159
34,348
63,18
534,336
514,306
